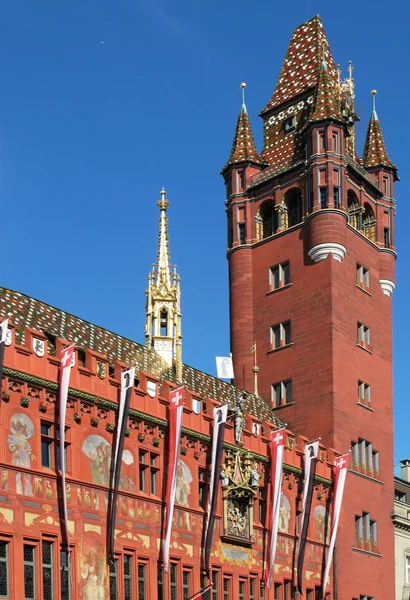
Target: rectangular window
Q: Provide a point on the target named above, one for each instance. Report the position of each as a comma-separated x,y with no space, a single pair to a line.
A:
335,142
363,336
227,588
277,591
287,590
230,229
310,193
280,335
279,276
362,277
309,594
408,570
386,237
46,445
365,533
365,459
47,568
50,446
242,589
215,583
282,393
242,233
386,186
323,197
364,393
252,588
173,581
65,574
261,591
29,572
400,496
321,142
113,580
4,569
148,472
202,486
186,584
160,588
127,571
336,197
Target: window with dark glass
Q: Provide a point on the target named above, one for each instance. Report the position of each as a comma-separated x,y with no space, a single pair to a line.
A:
365,533
294,206
365,458
4,569
113,580
277,591
287,588
282,393
336,197
363,336
242,590
148,472
362,277
127,574
202,486
269,218
50,446
29,561
47,568
398,495
252,588
160,587
81,356
65,574
323,197
173,581
364,393
242,233
279,275
215,583
227,588
280,335
261,592
186,584
142,582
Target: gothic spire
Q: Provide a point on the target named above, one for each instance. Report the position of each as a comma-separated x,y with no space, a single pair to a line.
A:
375,153
243,147
163,300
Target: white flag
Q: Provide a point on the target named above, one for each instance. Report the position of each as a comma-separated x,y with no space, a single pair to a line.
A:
224,367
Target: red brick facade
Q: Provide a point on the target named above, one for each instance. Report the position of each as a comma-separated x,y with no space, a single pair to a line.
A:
323,217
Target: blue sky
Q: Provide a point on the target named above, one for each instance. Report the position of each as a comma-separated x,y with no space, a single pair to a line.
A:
104,103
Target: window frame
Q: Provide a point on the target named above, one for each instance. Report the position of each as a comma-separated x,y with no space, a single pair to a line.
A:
363,336
362,277
33,565
364,393
6,560
284,332
285,393
279,276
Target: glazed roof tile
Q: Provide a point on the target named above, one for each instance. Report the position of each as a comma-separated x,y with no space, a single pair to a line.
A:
375,153
243,147
300,69
327,101
28,312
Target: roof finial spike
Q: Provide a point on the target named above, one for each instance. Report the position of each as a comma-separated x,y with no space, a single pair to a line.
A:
323,66
243,86
374,116
339,72
163,203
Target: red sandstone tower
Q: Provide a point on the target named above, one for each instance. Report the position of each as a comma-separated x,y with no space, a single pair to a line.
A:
311,268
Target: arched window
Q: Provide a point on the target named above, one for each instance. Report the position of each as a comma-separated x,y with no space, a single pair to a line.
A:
268,220
295,209
353,210
369,223
163,323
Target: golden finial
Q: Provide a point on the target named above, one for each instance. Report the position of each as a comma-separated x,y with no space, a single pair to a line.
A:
373,92
374,113
339,72
163,203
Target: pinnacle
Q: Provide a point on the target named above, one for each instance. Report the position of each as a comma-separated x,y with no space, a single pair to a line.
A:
326,105
375,153
243,147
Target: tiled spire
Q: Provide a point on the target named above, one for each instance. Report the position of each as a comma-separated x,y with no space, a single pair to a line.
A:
326,104
302,63
375,153
243,147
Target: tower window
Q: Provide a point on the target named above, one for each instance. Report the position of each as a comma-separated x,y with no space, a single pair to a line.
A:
365,459
363,336
163,323
290,124
282,393
362,277
386,229
323,197
242,233
269,217
280,335
321,142
386,186
4,569
279,276
364,395
365,533
335,142
294,205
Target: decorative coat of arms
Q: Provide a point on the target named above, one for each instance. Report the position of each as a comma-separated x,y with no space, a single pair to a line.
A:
39,347
256,429
9,337
152,389
101,369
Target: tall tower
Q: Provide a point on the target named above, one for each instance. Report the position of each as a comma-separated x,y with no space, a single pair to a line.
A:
163,300
311,273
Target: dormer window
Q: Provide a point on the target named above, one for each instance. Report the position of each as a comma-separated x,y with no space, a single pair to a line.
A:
290,124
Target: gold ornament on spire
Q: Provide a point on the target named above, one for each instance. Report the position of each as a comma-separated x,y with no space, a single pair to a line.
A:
163,299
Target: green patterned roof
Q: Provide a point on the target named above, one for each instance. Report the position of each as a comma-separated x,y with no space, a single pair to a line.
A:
28,312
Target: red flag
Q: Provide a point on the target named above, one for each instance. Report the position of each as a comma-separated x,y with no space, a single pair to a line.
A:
175,420
64,380
341,465
276,447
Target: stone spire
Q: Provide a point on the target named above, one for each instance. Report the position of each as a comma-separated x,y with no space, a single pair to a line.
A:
163,300
375,153
243,147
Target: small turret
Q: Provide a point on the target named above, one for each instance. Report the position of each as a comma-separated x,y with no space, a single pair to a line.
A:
375,153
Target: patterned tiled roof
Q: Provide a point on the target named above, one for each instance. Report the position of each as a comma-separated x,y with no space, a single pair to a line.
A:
301,66
375,153
28,312
327,101
243,147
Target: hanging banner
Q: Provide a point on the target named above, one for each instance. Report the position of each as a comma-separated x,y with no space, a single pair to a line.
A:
204,594
311,451
127,384
224,367
176,406
3,337
276,447
220,414
341,466
64,381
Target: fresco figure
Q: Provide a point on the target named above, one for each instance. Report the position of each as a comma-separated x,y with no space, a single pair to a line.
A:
183,487
284,514
21,428
93,577
99,452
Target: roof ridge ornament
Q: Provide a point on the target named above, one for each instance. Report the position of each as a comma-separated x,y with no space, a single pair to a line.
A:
243,86
374,116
